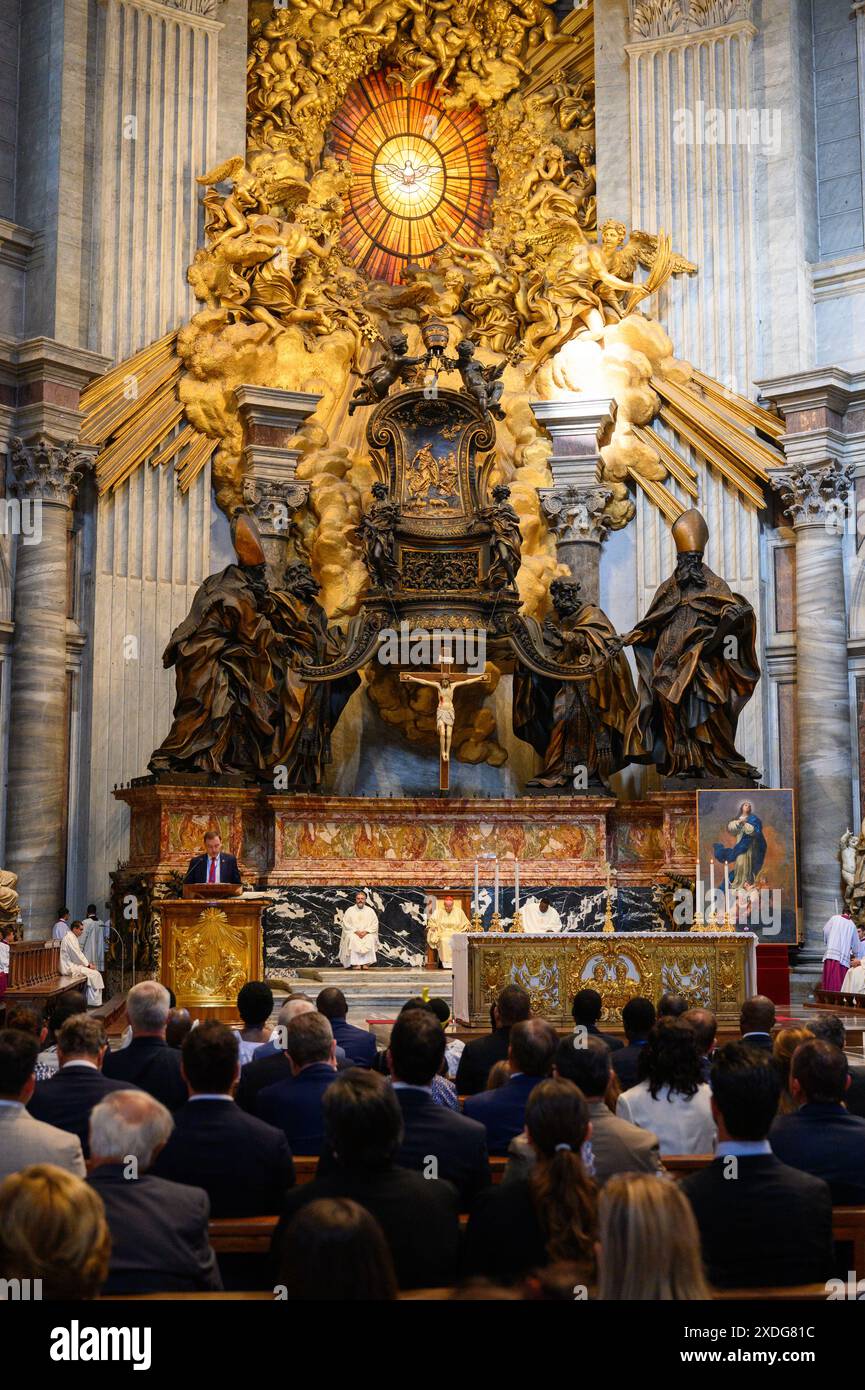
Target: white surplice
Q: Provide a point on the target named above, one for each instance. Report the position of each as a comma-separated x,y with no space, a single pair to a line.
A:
74,962
354,949
537,923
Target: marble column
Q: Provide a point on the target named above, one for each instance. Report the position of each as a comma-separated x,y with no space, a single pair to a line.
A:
574,505
271,419
815,498
45,477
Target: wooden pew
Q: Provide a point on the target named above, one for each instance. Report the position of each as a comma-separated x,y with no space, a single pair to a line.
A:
680,1165
242,1235
799,1293
34,974
848,1225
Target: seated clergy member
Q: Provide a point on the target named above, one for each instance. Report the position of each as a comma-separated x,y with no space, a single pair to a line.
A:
481,1054
159,1239
671,1099
756,1021
67,1099
539,917
617,1145
359,940
148,1061
53,1228
74,962
457,1144
503,1110
822,1137
243,1164
761,1222
358,1045
638,1020
294,1105
270,1062
24,1140
442,926
213,866
586,1010
548,1215
419,1218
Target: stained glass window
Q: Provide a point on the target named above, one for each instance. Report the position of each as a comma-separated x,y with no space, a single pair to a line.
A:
420,174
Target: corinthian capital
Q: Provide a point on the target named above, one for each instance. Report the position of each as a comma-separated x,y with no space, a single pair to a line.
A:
47,471
815,496
273,501
658,19
576,513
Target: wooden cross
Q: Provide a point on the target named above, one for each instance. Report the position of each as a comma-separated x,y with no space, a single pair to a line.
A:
444,730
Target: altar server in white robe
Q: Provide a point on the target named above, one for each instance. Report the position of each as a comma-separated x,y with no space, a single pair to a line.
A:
539,917
74,962
359,941
443,924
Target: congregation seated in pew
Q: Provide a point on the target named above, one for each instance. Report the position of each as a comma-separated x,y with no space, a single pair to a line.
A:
294,1104
584,1198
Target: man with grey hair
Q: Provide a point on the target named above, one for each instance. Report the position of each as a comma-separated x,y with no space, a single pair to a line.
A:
159,1240
148,1061
294,1104
67,1098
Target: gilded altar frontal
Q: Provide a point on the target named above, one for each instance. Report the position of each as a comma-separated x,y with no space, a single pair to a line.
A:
432,644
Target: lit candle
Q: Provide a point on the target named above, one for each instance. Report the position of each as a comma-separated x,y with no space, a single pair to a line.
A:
477,897
496,888
727,890
711,887
516,885
699,890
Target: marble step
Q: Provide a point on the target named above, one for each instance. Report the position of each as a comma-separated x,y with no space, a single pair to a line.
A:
373,993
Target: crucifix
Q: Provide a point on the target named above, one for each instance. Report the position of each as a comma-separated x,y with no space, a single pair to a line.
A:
444,683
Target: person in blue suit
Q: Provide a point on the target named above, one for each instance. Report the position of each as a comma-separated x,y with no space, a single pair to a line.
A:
503,1111
213,866
294,1105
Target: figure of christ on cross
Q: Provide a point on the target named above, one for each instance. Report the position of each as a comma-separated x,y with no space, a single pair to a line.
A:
444,684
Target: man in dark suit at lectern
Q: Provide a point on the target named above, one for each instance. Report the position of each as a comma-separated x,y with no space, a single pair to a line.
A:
213,866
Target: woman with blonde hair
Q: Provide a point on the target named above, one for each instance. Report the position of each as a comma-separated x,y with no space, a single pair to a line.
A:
53,1228
649,1245
784,1044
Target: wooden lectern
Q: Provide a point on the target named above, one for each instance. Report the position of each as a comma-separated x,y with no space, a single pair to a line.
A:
211,945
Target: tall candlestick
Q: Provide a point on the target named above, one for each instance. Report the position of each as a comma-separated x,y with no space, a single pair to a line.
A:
712,891
496,889
699,890
476,907
727,890
516,885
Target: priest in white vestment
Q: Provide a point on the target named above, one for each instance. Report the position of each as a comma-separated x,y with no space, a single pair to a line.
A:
443,924
539,917
74,962
854,980
359,941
